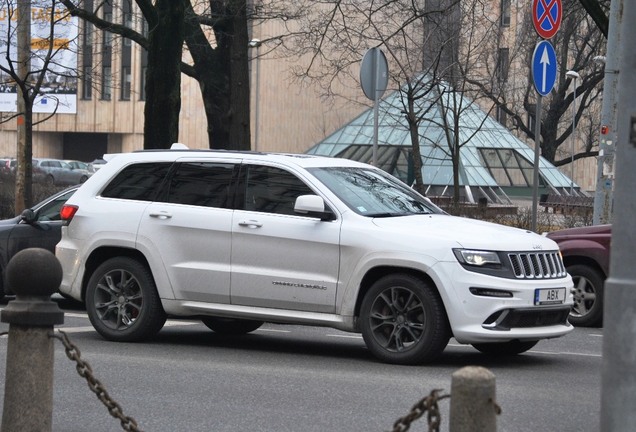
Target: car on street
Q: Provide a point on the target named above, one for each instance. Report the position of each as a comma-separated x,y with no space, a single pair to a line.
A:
586,255
57,172
237,239
97,164
39,226
79,165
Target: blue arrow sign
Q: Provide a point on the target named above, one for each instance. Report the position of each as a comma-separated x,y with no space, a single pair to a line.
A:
544,67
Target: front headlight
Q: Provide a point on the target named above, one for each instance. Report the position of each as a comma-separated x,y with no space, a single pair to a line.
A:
478,258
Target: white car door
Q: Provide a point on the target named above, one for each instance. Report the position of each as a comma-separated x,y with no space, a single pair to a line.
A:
192,228
279,259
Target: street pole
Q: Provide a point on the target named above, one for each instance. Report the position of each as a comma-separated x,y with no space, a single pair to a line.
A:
23,58
575,76
603,196
618,380
537,155
256,44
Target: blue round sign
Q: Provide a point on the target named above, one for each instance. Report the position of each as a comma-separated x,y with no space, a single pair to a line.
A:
544,67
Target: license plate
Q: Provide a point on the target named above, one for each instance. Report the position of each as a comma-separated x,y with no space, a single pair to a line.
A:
547,296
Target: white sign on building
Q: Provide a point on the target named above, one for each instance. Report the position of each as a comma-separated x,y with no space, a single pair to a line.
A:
59,88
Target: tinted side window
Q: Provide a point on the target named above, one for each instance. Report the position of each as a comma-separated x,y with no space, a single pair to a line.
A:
201,184
138,182
273,190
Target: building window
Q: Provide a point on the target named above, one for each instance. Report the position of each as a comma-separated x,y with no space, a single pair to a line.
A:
128,22
107,83
142,84
125,83
505,13
107,37
507,167
87,82
503,64
502,116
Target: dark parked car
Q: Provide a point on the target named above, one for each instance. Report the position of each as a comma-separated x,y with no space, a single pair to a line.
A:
586,255
39,226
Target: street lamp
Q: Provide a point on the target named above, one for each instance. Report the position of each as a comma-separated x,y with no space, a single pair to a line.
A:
575,76
256,44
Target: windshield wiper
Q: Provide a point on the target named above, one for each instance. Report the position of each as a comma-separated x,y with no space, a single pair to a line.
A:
387,214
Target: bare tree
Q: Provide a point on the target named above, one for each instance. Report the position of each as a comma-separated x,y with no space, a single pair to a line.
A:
433,48
577,43
35,71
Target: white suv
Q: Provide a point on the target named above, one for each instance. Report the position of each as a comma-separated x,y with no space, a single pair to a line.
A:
237,239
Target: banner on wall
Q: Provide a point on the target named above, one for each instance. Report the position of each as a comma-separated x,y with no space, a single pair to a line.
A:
58,92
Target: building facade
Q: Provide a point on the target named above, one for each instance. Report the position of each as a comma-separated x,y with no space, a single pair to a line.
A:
287,115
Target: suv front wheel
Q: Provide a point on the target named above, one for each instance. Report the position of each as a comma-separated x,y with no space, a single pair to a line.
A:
122,301
403,320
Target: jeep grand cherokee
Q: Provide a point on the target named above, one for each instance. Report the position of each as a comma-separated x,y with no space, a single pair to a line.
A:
237,239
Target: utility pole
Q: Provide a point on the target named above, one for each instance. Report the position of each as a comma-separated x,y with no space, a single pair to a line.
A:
618,390
23,57
603,198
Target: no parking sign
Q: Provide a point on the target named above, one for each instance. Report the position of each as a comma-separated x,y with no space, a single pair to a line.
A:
546,16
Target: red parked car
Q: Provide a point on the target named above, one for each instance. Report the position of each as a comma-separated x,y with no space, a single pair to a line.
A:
586,255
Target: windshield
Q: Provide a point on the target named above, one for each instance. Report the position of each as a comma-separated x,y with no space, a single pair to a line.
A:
373,193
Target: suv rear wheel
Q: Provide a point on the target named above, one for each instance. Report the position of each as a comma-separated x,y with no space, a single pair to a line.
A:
403,320
122,301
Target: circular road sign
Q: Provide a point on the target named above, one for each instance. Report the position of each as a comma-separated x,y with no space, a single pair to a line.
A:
546,16
374,73
544,67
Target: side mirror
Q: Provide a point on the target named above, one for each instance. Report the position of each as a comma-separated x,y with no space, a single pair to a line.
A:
28,216
312,206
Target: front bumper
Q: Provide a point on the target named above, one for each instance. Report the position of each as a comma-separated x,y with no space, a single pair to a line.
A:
484,318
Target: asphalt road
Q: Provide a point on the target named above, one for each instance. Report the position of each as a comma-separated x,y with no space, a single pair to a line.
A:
293,378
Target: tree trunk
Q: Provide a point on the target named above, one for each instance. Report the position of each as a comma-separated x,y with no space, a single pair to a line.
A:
163,76
223,73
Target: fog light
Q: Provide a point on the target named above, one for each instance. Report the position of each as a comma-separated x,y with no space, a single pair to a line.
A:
489,292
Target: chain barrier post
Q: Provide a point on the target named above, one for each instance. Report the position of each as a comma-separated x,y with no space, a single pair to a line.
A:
473,407
33,275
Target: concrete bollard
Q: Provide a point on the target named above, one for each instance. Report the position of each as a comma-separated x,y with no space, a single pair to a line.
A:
473,407
33,275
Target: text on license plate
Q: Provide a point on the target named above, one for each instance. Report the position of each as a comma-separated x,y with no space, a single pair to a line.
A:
546,296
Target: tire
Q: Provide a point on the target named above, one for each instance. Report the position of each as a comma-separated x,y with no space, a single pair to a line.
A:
403,320
83,179
231,326
588,296
49,180
505,348
127,313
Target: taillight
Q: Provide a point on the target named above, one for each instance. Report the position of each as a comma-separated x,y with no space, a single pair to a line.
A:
68,211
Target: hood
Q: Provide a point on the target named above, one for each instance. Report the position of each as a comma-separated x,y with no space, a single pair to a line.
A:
581,231
467,233
12,221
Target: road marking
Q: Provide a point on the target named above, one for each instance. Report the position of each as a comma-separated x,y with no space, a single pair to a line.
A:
75,315
76,329
273,330
345,336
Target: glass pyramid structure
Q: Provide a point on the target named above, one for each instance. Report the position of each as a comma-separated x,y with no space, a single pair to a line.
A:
494,164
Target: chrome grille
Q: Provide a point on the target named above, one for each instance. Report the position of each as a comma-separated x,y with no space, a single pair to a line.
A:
537,265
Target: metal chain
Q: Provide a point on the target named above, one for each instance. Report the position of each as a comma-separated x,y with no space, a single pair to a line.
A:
85,371
427,404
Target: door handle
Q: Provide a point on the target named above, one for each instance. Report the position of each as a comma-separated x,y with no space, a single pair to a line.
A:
160,215
250,224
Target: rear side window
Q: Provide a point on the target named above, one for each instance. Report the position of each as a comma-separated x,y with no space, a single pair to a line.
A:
138,182
201,184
